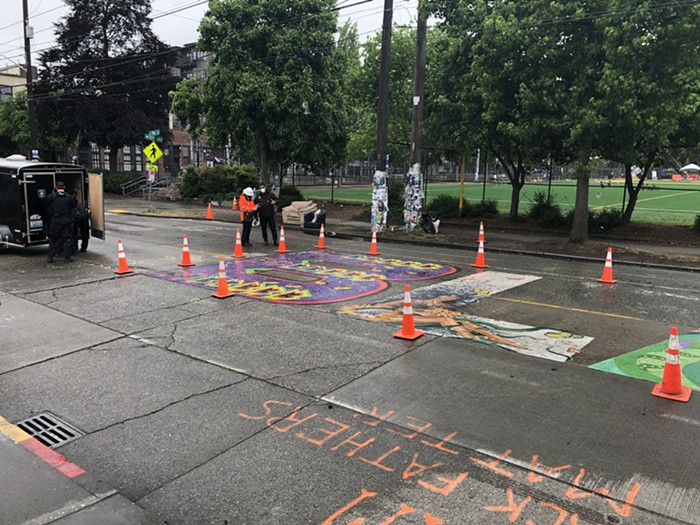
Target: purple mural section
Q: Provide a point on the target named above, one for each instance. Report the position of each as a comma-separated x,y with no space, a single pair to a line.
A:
308,277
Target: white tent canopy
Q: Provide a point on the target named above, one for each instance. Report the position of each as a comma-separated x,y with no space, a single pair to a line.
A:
691,167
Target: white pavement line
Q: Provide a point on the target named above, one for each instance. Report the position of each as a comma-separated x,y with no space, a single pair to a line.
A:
69,508
680,419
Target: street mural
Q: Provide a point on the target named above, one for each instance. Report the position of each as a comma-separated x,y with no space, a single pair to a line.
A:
311,277
648,362
435,311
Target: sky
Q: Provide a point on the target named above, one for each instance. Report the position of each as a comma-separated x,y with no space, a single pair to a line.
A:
174,21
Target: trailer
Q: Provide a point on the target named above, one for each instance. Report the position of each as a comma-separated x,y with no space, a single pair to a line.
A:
24,187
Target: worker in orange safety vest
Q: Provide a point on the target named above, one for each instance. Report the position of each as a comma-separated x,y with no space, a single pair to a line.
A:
247,208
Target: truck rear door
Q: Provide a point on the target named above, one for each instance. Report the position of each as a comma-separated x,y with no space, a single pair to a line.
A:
97,206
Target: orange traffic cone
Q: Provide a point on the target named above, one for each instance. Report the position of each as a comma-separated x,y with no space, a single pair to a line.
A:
408,328
480,260
282,248
222,291
234,204
238,250
186,261
373,246
607,271
210,215
123,267
481,233
321,239
670,386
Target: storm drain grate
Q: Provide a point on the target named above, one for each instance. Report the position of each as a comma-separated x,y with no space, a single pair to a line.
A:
50,430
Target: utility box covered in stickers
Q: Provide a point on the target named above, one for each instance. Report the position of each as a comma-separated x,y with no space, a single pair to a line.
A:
24,187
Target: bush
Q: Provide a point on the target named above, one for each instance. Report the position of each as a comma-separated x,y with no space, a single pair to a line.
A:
112,182
487,208
288,194
605,220
552,218
598,222
696,226
445,207
218,183
396,192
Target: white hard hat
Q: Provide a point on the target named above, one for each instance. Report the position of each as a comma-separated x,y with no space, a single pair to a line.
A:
248,192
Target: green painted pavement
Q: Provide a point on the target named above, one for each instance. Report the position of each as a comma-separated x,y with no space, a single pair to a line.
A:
648,362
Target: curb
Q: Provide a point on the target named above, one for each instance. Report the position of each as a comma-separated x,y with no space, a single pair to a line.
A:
433,244
104,503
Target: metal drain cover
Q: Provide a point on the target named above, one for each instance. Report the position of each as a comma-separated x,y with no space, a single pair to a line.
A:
50,430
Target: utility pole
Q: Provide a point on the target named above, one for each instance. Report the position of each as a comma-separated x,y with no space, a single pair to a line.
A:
419,86
383,109
30,89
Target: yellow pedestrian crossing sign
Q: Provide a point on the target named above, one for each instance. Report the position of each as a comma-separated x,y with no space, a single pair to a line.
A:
153,152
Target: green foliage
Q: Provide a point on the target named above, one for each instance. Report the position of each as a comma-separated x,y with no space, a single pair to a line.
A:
275,85
112,182
288,194
447,207
106,80
363,85
601,222
604,220
396,194
218,183
187,104
14,126
545,212
487,208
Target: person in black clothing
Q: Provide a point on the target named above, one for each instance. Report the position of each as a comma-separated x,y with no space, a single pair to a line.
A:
80,228
266,211
59,210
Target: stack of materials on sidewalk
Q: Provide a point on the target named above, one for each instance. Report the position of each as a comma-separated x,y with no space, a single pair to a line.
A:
294,213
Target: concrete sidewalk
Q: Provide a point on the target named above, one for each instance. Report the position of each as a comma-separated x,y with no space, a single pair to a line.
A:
38,485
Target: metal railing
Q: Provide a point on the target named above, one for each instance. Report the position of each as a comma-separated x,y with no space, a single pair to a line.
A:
132,187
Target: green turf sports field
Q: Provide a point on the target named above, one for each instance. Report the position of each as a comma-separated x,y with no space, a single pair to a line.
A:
664,202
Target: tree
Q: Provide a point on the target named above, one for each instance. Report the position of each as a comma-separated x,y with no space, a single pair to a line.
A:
107,79
365,88
14,125
496,84
650,79
275,82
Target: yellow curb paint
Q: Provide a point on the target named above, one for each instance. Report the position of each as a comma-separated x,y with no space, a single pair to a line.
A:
16,434
118,211
618,316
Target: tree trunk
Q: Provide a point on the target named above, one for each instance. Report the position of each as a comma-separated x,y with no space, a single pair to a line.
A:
264,170
579,230
515,197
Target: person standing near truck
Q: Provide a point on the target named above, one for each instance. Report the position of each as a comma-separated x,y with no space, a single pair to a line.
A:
60,209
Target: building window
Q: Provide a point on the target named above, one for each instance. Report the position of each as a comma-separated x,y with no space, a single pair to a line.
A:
127,158
5,93
95,157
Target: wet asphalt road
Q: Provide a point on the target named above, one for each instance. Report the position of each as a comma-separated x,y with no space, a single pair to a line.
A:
203,410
